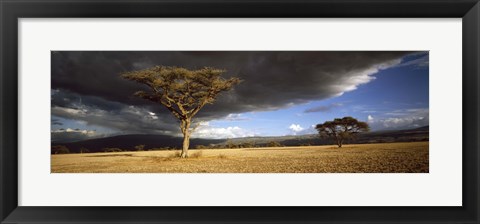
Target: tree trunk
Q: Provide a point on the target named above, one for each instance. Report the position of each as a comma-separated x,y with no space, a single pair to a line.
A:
339,143
186,137
186,143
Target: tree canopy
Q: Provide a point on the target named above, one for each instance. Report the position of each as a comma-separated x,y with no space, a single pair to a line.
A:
183,92
342,128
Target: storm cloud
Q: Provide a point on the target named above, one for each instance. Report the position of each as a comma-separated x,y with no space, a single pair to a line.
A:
86,85
324,108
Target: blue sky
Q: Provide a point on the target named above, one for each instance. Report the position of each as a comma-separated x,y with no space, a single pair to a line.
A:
389,91
397,98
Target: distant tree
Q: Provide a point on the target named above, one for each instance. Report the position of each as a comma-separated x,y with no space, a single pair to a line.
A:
140,147
60,149
84,150
341,129
274,144
247,145
230,145
201,147
183,92
112,150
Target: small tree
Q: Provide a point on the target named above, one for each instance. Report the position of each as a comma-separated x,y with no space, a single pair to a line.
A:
112,150
342,128
139,147
183,92
84,150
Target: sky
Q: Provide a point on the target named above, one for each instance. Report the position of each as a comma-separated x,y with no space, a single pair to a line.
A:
282,93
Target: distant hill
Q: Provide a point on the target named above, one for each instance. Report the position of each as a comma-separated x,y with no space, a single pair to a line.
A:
409,135
128,142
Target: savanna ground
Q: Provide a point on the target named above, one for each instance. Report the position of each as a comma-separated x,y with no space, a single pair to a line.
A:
409,157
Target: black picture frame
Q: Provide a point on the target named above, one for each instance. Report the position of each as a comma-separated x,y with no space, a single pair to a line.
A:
12,10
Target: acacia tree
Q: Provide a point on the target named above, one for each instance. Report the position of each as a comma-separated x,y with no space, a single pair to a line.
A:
342,128
183,92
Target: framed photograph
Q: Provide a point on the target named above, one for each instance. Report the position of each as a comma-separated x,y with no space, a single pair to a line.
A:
246,112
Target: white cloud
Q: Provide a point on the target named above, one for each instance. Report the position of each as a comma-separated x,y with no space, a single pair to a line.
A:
70,130
355,78
153,115
401,119
66,112
404,122
205,130
235,117
369,119
296,128
307,131
70,134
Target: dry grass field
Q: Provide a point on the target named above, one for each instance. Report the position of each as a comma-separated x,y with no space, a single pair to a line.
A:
363,158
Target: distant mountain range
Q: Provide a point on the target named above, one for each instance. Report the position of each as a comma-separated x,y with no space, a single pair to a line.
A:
128,142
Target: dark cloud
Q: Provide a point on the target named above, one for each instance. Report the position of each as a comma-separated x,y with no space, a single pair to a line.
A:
419,60
323,108
127,120
87,84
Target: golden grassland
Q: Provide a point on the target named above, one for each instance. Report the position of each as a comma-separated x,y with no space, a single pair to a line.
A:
409,157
